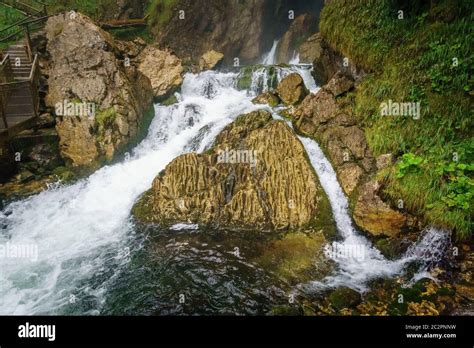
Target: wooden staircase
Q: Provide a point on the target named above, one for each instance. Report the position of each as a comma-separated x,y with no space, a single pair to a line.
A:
20,94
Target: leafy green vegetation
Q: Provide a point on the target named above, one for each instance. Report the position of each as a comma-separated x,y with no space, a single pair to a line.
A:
425,55
408,163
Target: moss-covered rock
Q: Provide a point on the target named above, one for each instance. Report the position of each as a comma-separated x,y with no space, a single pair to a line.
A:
297,257
344,298
267,98
256,176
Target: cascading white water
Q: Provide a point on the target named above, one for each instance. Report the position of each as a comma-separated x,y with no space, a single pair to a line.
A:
81,230
357,259
295,60
270,58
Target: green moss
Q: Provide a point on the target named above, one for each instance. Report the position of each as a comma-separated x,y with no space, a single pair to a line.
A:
244,79
105,117
170,100
160,12
344,298
411,60
287,310
399,305
297,257
142,211
65,174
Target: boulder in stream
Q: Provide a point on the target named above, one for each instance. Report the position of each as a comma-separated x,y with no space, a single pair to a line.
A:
256,176
102,104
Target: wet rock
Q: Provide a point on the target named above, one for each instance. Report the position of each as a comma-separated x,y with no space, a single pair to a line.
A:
234,28
300,27
326,61
319,116
24,176
7,162
86,66
374,215
45,155
256,176
267,98
297,257
244,79
210,60
292,89
163,69
344,298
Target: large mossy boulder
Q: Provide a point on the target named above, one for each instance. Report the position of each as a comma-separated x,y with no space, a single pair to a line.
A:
112,100
257,176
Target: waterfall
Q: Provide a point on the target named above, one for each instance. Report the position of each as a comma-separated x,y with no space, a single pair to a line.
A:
358,261
82,231
270,57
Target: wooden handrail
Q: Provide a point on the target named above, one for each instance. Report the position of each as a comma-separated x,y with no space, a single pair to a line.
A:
28,6
4,60
33,68
15,24
25,24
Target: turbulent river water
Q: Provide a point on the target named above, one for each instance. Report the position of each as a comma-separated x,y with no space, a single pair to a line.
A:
91,259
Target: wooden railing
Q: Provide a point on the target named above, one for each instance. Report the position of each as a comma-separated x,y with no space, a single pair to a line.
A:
26,9
5,76
31,84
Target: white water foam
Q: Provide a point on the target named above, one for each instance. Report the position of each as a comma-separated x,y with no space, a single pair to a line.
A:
270,57
81,230
366,262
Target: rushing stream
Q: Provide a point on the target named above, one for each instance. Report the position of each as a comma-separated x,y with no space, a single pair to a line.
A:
91,260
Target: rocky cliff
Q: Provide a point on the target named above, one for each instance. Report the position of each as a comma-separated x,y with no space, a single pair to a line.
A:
238,29
322,116
111,100
256,176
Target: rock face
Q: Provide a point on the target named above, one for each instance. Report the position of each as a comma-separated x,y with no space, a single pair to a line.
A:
292,89
326,62
375,216
255,177
210,60
238,29
299,28
163,69
320,117
87,70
